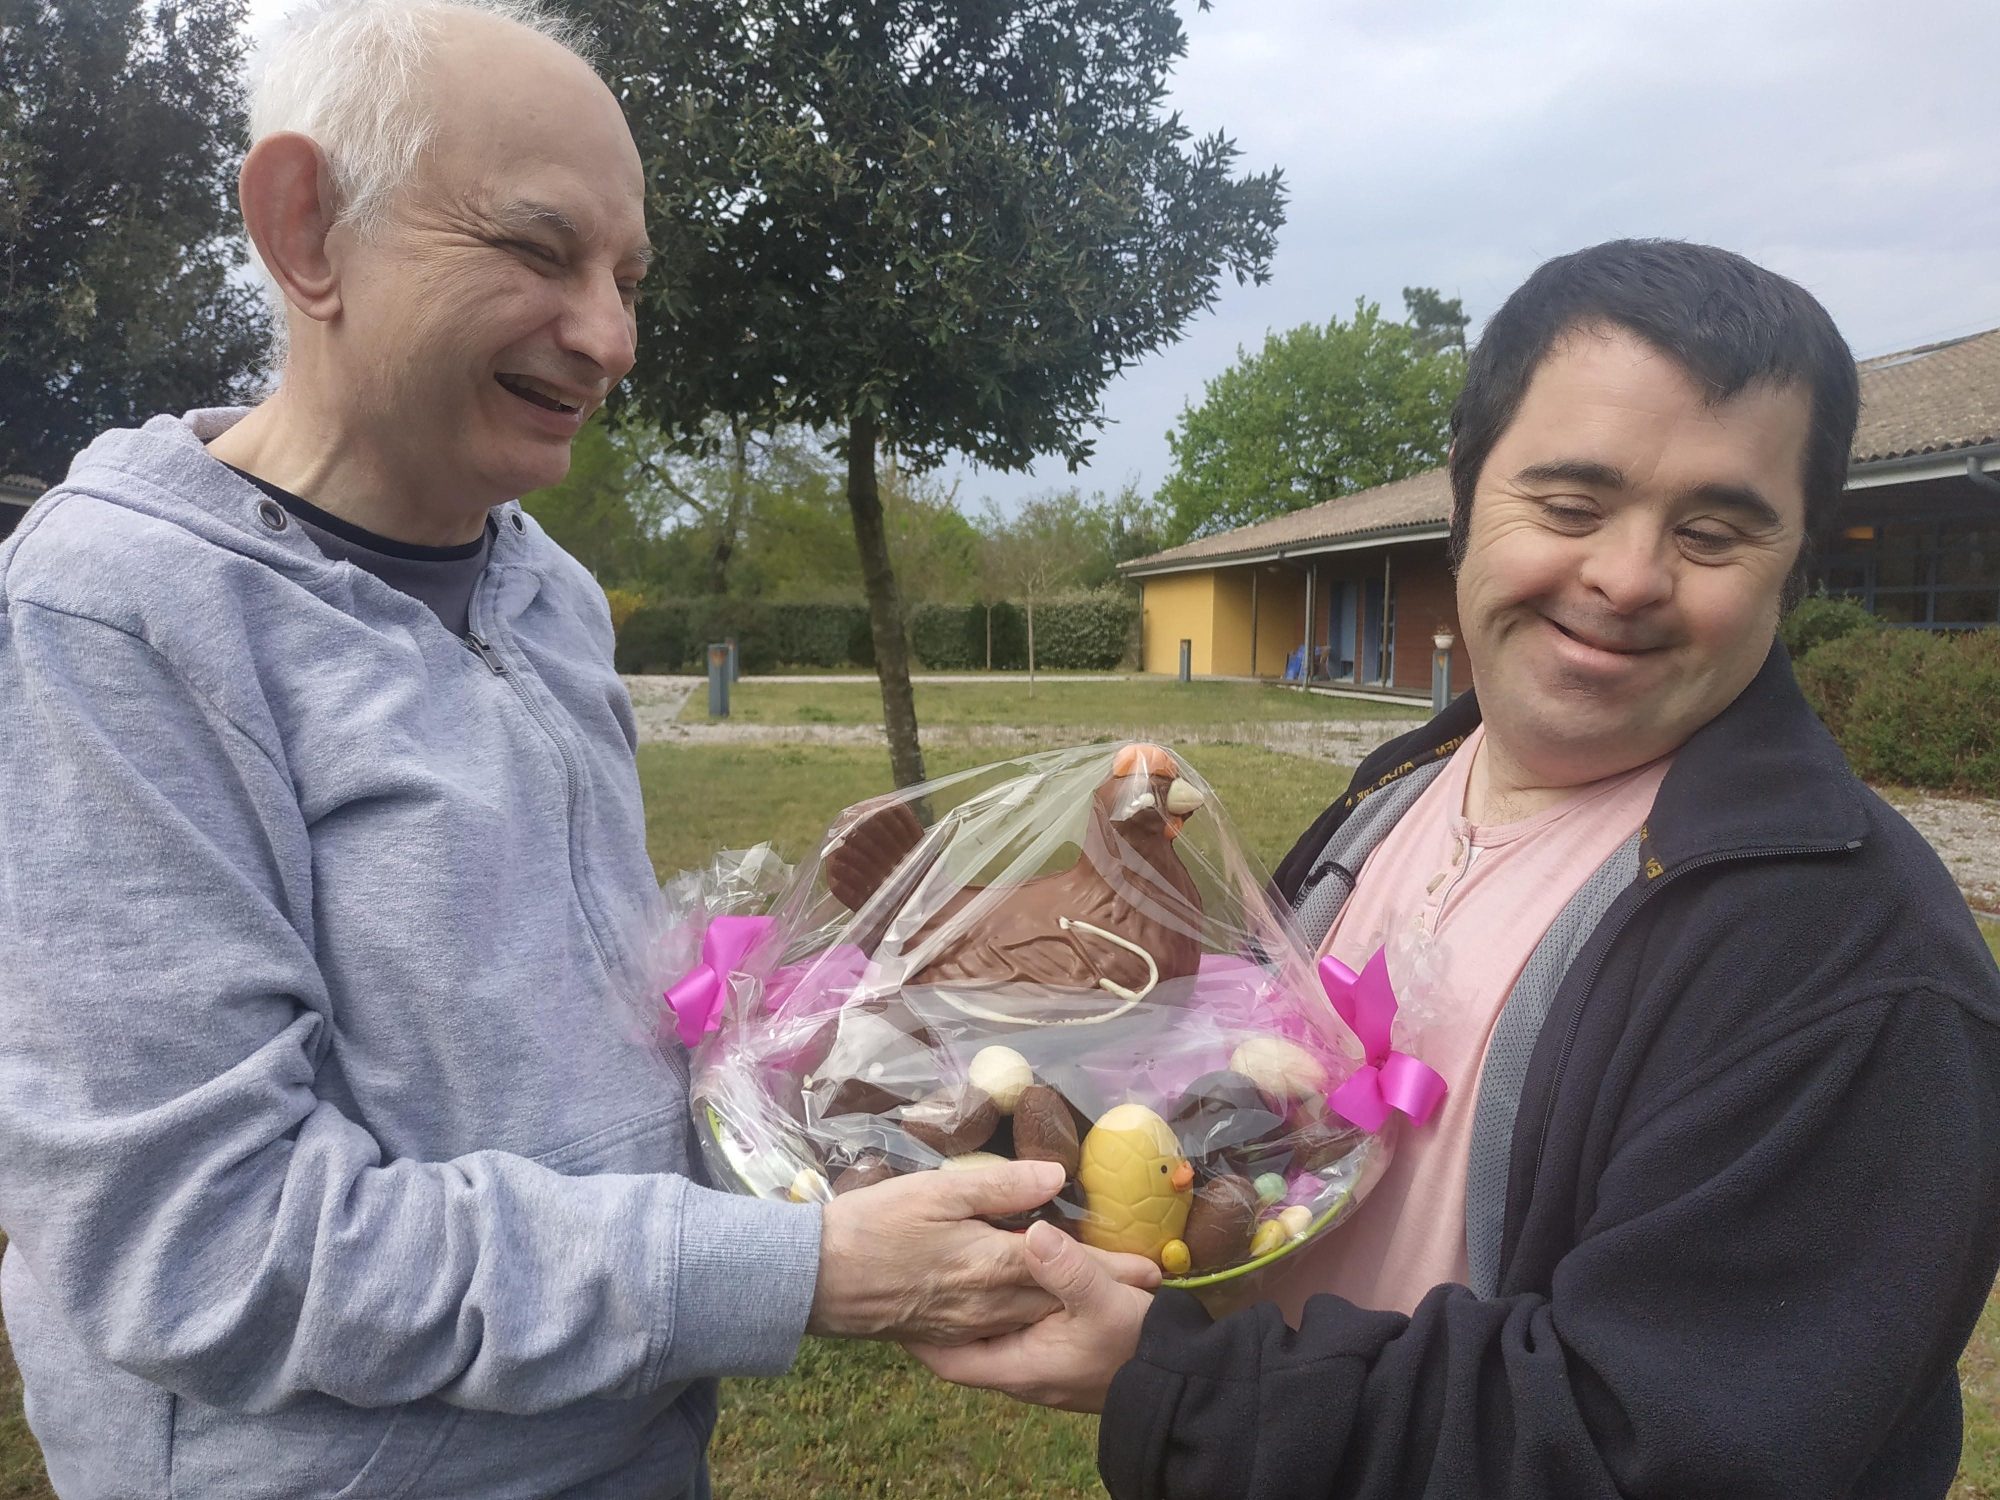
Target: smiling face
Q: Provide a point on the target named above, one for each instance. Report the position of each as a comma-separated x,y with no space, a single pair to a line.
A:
1629,545
487,317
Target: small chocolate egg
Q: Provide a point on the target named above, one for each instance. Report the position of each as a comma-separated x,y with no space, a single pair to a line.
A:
1270,1187
1283,1070
1002,1073
1269,1236
1315,1136
952,1120
1175,1258
1045,1128
809,1187
1220,1222
1295,1220
864,1173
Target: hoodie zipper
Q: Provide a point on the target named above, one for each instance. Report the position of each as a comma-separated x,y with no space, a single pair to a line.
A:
484,650
1590,983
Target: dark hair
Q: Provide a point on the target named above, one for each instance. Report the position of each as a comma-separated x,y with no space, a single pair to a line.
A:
1726,322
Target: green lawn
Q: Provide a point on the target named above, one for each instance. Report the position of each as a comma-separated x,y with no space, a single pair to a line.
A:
1097,709
859,1420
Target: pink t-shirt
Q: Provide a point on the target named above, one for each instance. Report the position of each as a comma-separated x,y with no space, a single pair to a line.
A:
1461,909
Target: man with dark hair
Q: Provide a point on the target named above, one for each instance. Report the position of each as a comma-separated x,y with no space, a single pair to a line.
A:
1712,1204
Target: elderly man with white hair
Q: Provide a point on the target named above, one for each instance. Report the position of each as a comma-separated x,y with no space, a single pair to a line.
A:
322,859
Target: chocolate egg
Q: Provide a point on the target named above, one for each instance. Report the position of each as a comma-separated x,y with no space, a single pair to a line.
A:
1221,1116
864,1173
1045,1128
1316,1137
952,1120
1281,1069
1220,1222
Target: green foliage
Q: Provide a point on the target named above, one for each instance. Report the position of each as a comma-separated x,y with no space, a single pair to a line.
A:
1818,619
1317,413
956,220
1064,540
953,637
655,639
1436,322
1911,706
607,513
1086,632
674,636
120,293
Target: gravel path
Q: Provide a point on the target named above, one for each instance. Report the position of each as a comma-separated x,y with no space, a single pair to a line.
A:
1965,831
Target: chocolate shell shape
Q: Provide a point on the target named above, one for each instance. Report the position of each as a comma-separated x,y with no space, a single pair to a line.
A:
1045,1128
952,1120
1224,1119
1220,1222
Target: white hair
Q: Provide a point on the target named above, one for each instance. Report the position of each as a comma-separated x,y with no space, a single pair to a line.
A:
348,74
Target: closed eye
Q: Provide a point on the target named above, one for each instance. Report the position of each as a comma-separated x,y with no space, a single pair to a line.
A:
1568,516
532,251
1700,540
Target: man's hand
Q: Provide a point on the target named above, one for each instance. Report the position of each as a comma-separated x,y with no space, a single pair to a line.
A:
909,1259
1068,1358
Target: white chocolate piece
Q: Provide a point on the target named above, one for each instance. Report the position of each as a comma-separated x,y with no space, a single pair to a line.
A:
971,1161
1295,1220
1283,1070
1001,1074
810,1187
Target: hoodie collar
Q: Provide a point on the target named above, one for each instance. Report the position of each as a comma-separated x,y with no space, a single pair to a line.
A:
164,470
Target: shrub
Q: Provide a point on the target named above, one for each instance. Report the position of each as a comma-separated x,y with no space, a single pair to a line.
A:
1085,632
1911,706
654,638
819,635
952,637
624,604
1818,619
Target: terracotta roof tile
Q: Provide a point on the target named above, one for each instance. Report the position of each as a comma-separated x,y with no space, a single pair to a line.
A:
1930,400
1927,400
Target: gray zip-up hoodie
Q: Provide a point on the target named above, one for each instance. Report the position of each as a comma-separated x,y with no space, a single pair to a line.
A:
325,1167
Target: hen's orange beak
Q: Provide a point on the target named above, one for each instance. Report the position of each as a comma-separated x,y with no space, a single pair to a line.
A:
1183,1176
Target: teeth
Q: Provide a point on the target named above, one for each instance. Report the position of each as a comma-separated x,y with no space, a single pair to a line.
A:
537,391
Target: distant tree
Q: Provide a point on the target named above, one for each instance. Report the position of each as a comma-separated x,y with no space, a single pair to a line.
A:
1436,322
120,132
1096,532
1316,413
1041,552
607,512
927,226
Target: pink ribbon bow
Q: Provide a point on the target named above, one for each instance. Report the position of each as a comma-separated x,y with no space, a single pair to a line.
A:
696,998
1388,1079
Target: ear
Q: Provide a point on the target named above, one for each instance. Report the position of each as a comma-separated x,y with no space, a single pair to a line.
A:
288,205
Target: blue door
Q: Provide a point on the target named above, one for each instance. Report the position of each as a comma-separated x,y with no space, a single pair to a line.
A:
1369,667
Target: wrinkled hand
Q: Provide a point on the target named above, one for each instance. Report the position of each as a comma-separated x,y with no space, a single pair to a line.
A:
909,1258
1069,1357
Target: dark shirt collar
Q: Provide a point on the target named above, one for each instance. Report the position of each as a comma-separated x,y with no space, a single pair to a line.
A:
359,536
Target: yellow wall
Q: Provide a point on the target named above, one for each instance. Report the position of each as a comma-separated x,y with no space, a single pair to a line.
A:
1176,607
1281,618
1212,609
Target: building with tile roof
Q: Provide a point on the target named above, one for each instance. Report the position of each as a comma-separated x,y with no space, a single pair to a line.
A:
1915,537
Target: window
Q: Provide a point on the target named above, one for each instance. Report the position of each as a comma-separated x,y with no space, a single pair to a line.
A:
1937,575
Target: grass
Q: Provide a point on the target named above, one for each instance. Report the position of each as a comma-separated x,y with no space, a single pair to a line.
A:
1094,708
859,1420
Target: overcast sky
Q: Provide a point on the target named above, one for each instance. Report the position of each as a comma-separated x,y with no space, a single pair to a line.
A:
1849,144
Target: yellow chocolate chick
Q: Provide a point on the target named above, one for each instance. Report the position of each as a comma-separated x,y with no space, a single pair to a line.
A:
1135,1183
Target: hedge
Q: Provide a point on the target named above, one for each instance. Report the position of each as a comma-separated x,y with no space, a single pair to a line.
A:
1912,706
1077,632
1073,633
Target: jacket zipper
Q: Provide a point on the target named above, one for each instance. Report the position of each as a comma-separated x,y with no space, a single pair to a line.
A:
1576,1015
478,647
484,650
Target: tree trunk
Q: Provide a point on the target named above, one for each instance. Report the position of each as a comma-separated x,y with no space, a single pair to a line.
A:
1031,644
885,609
732,512
989,637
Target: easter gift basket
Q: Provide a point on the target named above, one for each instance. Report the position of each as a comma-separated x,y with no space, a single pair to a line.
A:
1065,957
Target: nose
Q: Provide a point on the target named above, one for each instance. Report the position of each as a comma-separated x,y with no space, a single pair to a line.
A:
1629,566
600,326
